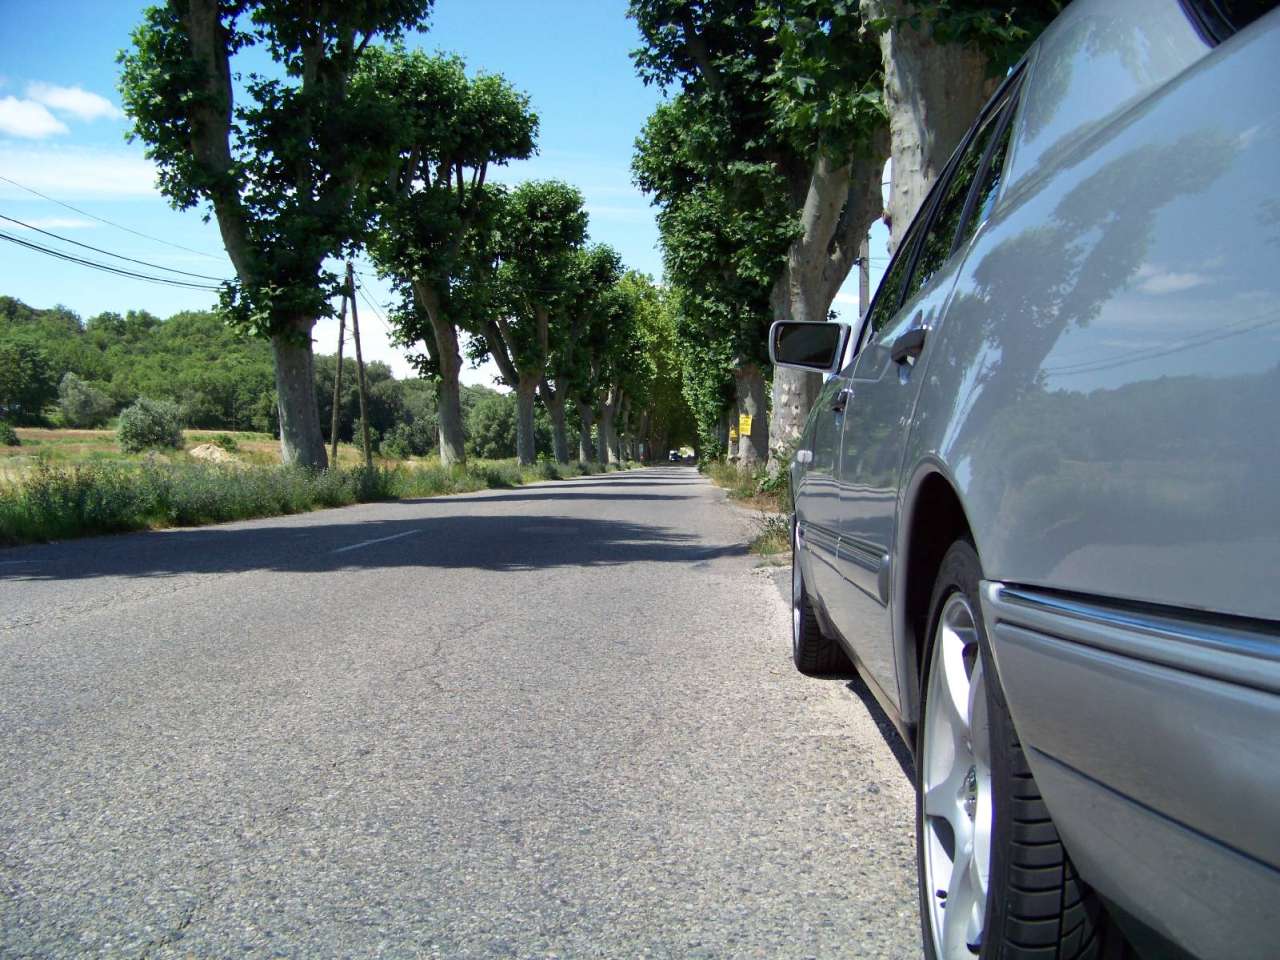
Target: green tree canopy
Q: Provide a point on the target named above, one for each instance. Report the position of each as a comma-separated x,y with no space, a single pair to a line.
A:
276,158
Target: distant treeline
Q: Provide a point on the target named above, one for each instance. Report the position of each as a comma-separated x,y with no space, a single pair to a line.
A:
220,380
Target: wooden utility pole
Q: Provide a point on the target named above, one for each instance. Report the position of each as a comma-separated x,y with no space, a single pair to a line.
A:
355,332
337,380
864,276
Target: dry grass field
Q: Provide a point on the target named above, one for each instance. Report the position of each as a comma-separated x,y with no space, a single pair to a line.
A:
66,448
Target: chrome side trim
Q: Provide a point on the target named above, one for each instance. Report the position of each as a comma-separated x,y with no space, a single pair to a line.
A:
1246,653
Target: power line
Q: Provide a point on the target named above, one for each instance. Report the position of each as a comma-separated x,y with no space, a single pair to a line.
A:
110,223
86,246
61,255
371,305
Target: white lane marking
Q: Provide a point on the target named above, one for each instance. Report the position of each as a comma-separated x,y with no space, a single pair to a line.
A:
9,563
366,543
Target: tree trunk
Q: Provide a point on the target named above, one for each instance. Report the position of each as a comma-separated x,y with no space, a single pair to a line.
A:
753,449
932,92
526,393
841,204
624,433
448,358
608,437
586,447
554,400
301,441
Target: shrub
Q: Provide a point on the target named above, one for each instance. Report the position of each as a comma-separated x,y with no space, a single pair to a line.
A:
406,440
82,404
357,436
226,441
8,435
150,423
491,428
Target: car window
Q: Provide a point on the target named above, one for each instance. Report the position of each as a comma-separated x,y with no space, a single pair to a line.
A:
983,198
940,240
1221,18
889,295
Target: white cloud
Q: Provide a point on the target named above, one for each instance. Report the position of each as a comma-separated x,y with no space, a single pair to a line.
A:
70,172
73,100
28,119
54,223
1157,281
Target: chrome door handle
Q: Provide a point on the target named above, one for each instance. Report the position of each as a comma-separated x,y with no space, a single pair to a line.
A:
841,400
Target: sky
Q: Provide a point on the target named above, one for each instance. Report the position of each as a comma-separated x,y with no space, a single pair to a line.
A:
62,134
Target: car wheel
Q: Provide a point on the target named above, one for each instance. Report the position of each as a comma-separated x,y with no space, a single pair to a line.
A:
995,880
812,650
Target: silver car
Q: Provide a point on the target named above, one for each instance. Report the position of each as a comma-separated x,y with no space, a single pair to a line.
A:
1038,501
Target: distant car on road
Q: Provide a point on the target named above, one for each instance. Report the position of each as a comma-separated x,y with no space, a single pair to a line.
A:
1037,500
674,456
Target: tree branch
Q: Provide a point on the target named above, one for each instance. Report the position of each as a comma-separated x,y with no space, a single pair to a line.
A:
210,116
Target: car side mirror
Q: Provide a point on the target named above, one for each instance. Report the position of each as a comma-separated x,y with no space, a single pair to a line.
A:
817,347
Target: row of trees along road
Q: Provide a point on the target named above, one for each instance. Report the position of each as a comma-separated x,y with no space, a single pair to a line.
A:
360,145
766,165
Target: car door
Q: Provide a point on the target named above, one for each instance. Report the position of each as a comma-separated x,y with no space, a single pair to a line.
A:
817,495
885,380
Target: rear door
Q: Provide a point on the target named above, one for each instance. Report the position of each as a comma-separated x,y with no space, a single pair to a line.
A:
885,380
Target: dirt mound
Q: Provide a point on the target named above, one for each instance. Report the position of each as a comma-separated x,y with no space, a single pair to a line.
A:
213,453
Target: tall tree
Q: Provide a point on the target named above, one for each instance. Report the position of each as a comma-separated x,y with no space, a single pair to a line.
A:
437,216
593,273
542,223
942,60
781,99
279,170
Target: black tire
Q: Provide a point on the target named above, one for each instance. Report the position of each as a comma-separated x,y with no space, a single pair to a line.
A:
814,652
1036,908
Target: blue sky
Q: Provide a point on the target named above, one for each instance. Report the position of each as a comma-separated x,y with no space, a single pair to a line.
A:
61,133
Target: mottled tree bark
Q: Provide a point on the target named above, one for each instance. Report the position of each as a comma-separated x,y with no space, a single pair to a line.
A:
526,393
554,402
753,449
448,359
841,203
587,419
301,441
932,92
608,433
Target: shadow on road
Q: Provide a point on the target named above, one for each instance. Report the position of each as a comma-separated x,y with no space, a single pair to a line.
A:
901,752
520,542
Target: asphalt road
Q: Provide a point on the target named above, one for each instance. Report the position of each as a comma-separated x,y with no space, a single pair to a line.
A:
553,721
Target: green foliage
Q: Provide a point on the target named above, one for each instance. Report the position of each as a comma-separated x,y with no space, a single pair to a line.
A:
148,424
437,218
763,89
280,166
27,383
404,440
81,404
491,428
226,442
1001,31
218,377
773,535
8,435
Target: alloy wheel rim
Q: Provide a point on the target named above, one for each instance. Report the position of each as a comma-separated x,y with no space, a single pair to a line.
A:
956,786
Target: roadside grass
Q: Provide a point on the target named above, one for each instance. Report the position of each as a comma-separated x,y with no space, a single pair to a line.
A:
771,496
57,500
774,536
